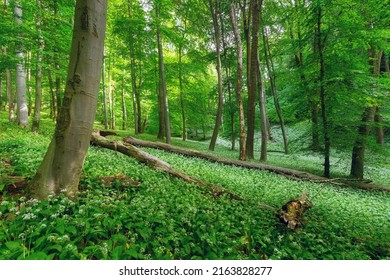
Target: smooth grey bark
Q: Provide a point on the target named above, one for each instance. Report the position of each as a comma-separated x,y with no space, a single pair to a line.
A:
21,98
379,133
61,168
214,8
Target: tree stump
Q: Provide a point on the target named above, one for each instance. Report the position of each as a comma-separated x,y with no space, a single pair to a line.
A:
292,213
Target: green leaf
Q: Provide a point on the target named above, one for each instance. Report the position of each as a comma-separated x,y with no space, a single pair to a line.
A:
13,245
37,256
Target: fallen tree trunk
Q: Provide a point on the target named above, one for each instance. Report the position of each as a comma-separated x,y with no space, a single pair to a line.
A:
286,172
156,163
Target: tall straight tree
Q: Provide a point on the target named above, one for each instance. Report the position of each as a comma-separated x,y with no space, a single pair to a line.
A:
214,9
241,117
358,151
162,81
253,75
21,99
61,168
320,41
38,75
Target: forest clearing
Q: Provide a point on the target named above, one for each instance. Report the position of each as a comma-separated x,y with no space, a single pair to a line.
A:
194,130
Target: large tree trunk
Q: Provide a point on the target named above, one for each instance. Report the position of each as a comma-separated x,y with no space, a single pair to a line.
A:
358,151
20,73
214,8
60,170
163,83
237,38
38,75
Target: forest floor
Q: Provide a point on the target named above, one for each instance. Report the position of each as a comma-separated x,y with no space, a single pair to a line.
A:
166,218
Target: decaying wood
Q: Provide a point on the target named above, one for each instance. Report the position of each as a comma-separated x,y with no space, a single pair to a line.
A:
292,212
120,178
156,163
105,133
286,172
14,184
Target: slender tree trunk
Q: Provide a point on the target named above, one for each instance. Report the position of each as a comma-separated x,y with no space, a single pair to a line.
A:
61,168
163,83
241,117
321,81
20,73
105,112
161,120
38,75
28,84
183,113
124,111
53,102
141,126
263,114
228,85
253,75
57,62
272,78
214,8
10,95
134,89
380,135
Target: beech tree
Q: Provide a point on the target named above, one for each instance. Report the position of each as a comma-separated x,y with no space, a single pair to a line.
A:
61,167
22,108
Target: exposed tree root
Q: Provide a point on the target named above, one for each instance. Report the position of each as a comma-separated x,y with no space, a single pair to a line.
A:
286,172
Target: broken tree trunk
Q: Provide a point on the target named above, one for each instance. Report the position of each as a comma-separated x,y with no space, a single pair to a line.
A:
292,212
286,172
156,163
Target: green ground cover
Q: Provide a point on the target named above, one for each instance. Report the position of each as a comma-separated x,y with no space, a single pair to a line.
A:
166,218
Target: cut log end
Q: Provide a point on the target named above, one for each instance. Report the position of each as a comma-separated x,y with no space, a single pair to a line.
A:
292,213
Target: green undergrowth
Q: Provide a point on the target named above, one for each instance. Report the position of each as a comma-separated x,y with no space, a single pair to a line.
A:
166,218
